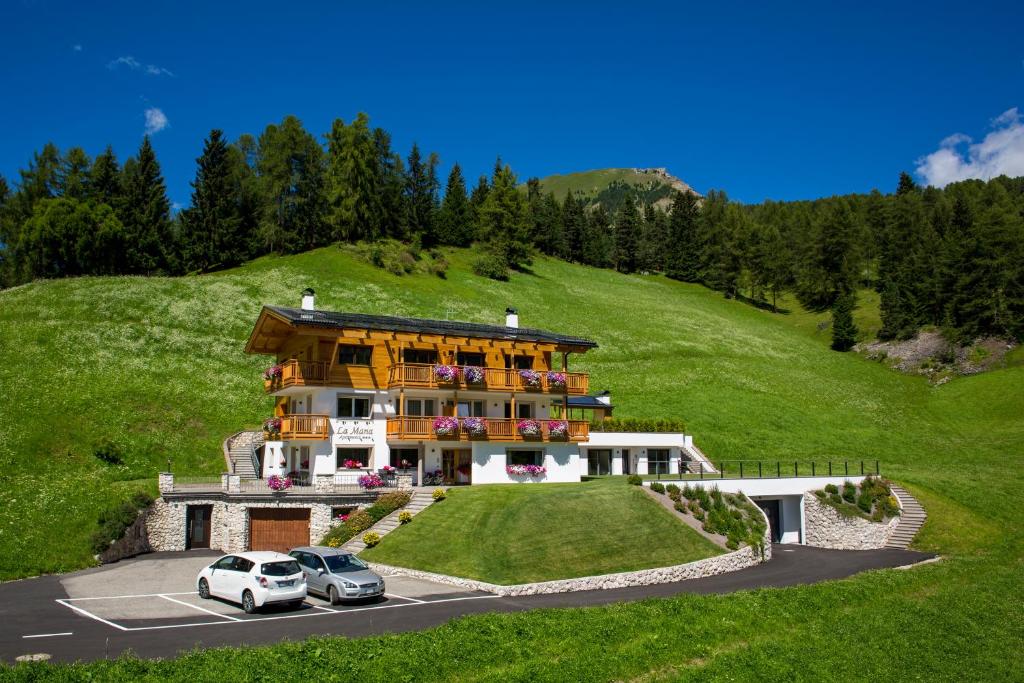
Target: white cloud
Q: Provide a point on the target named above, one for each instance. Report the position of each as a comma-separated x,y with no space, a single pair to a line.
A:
130,62
156,120
1001,152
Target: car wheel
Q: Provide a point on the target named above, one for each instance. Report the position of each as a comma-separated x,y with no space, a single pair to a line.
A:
204,589
332,595
295,604
248,602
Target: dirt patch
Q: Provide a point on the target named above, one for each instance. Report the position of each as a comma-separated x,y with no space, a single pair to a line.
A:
932,355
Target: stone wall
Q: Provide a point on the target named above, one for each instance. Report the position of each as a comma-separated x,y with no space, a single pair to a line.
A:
824,527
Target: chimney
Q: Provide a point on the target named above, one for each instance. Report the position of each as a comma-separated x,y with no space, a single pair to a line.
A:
605,397
308,299
511,317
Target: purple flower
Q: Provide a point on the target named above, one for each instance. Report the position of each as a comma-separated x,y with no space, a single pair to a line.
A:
475,426
371,481
558,429
528,427
556,380
531,378
524,470
279,483
273,372
473,374
445,426
446,373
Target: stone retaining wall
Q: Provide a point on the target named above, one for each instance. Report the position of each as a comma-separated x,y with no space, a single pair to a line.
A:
720,564
824,527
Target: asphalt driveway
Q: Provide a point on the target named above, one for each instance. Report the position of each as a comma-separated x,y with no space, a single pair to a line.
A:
148,604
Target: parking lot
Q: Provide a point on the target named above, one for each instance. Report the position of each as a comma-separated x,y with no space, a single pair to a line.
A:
160,594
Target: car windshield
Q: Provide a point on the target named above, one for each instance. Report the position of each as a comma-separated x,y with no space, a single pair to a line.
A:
339,564
280,568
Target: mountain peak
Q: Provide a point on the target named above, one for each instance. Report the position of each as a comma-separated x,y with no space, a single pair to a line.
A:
608,186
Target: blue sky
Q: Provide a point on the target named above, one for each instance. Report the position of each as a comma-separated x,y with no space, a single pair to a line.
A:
783,102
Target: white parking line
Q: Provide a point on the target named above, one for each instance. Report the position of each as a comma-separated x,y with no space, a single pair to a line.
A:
91,615
49,635
201,609
392,595
121,597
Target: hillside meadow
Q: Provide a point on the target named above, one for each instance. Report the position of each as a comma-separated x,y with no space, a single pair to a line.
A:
156,365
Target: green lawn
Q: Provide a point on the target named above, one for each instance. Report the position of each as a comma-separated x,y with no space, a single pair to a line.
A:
156,364
518,534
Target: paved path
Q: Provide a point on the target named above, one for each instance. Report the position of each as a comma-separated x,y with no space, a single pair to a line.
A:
154,616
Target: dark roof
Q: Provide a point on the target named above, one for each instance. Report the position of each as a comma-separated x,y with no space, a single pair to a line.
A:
331,319
584,402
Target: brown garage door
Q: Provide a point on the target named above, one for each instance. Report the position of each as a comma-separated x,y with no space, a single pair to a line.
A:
279,529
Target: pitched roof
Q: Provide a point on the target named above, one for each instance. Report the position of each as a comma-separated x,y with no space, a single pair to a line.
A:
331,320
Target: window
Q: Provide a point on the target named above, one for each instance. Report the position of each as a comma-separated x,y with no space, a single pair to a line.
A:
281,568
225,562
360,455
351,354
350,406
519,362
524,411
419,407
470,359
657,460
242,565
599,461
470,409
339,511
520,457
422,356
405,458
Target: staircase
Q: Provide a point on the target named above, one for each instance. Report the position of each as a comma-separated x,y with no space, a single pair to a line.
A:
696,460
421,498
238,451
911,518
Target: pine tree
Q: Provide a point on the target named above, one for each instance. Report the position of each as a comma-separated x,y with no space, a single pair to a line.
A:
828,264
653,240
844,332
421,196
391,172
574,227
455,217
211,228
354,183
503,218
906,185
476,201
145,213
73,174
682,252
105,179
627,232
598,238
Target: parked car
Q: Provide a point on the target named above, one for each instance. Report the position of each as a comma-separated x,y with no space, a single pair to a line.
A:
253,580
337,574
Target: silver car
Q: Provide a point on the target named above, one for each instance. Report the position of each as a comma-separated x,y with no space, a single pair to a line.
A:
337,574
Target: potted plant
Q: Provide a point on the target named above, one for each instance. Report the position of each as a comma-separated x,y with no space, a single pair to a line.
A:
272,375
530,379
272,429
279,484
528,428
556,380
558,429
525,470
475,426
387,469
351,464
371,481
446,427
446,374
473,374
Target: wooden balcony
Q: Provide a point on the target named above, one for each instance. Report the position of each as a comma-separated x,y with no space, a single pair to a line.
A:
422,376
298,373
408,428
315,427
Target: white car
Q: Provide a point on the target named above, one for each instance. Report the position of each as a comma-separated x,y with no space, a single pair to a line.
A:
254,580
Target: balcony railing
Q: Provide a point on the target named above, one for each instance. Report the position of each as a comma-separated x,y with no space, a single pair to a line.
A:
299,373
497,430
305,427
423,376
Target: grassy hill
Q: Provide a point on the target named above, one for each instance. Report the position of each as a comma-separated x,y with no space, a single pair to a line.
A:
156,365
608,186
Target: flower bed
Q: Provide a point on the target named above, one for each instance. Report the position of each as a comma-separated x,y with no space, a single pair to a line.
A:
473,375
530,378
446,374
528,427
361,520
556,380
371,481
871,500
433,478
526,470
352,464
558,429
279,483
446,426
475,426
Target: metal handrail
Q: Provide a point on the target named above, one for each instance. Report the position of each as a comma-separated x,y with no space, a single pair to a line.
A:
779,469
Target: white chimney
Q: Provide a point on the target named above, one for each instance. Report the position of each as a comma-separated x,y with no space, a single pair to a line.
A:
511,317
308,299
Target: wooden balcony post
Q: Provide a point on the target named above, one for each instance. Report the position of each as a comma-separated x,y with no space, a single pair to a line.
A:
401,403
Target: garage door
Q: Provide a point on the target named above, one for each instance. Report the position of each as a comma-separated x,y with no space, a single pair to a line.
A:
279,529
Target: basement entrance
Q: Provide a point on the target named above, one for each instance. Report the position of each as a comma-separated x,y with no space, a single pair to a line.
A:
773,511
279,529
197,526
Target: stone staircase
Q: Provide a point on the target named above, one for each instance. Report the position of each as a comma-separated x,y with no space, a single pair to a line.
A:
912,518
696,460
421,498
238,453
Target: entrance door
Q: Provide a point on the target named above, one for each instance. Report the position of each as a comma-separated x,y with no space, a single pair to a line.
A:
599,461
772,511
279,529
626,465
197,523
457,466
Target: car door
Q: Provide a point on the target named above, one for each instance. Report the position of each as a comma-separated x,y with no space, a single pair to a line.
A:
305,564
241,578
315,578
222,575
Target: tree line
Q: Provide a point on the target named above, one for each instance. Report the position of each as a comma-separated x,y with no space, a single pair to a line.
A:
949,258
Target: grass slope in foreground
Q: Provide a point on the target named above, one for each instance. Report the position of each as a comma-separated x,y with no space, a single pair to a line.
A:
521,534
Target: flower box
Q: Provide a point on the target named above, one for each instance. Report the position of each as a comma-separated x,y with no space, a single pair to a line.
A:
279,484
473,375
272,428
352,464
371,481
475,426
528,428
446,427
556,380
558,429
273,373
530,379
446,374
526,470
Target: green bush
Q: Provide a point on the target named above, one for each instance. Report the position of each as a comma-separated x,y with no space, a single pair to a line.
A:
849,492
688,492
680,506
439,495
657,488
865,502
114,521
672,488
108,452
831,488
836,499
371,538
674,495
360,520
491,266
635,479
404,517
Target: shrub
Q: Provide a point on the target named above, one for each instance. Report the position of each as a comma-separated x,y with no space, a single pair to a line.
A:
849,492
695,506
491,266
114,521
820,494
889,506
404,517
674,495
680,506
635,479
657,488
672,488
360,520
865,501
831,488
371,538
699,515
109,453
439,495
836,499
688,493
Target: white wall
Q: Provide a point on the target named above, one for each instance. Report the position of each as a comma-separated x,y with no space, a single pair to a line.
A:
561,461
